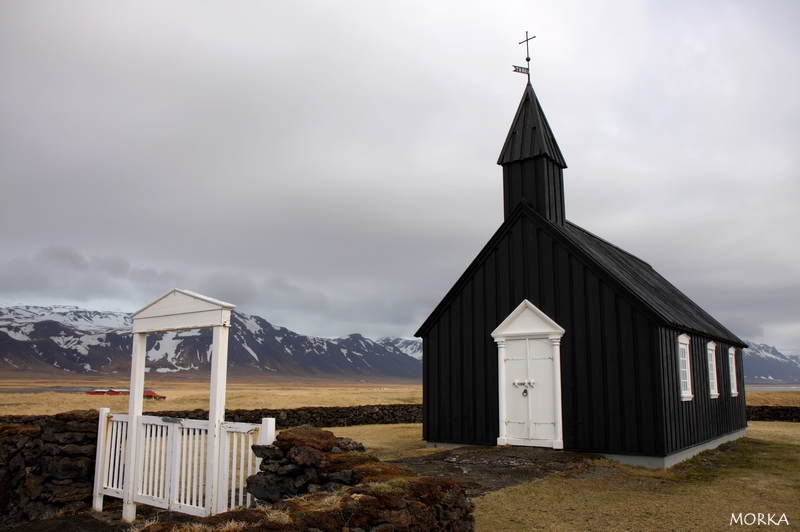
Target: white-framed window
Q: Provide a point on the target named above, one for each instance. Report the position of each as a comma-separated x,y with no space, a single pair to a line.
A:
685,367
712,370
732,369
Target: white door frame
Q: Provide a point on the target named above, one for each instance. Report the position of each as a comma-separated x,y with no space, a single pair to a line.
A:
528,322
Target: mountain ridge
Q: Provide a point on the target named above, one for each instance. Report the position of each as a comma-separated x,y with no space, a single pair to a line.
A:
90,342
41,339
765,364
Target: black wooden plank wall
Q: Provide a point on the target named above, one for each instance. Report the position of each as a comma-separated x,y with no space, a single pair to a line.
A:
610,399
539,181
703,418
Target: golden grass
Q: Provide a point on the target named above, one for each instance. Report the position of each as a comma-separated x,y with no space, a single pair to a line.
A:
765,398
247,393
388,442
774,431
191,395
763,477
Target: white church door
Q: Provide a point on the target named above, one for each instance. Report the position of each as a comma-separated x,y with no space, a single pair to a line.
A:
530,418
529,367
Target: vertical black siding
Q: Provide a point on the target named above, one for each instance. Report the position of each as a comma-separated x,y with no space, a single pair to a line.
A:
576,423
538,181
620,384
702,418
609,397
480,363
456,378
650,383
468,368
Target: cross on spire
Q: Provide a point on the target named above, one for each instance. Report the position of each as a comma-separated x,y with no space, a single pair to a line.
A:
527,57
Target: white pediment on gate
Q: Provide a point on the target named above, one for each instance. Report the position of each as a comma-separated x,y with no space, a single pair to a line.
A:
527,320
182,309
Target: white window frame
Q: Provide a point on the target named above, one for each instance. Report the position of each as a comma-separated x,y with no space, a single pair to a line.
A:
712,370
732,370
685,367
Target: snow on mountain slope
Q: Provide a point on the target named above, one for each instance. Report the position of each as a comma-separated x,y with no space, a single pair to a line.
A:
69,338
765,364
85,341
78,318
410,346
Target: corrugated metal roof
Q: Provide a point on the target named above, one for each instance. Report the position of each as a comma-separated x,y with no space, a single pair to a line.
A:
530,134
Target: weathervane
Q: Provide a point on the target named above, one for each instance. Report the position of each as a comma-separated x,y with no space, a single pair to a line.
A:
525,70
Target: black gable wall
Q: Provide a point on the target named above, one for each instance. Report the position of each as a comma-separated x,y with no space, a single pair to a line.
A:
610,367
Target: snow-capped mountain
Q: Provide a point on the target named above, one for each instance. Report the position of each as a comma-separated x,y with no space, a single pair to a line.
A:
791,353
41,339
91,342
410,346
764,364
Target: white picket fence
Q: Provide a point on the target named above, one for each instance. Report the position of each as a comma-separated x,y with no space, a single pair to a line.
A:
171,461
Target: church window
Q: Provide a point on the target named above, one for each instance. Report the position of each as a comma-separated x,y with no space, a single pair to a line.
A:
712,370
685,367
732,368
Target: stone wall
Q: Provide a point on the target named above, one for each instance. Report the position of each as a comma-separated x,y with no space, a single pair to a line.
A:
320,416
773,413
47,462
308,464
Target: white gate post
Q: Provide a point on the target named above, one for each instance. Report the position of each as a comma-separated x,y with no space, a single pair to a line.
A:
266,434
134,413
501,400
558,437
216,413
101,460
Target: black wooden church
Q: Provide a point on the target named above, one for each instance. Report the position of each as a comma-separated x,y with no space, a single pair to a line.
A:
555,337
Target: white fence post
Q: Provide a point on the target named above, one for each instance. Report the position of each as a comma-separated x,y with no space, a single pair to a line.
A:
101,460
266,435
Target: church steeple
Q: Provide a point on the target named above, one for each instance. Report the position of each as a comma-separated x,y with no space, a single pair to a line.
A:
532,162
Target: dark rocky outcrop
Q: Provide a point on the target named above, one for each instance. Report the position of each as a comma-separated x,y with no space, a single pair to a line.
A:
327,483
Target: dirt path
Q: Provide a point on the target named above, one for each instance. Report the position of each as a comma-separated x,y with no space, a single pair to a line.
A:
484,469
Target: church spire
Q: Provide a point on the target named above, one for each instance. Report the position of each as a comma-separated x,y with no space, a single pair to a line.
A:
532,162
530,134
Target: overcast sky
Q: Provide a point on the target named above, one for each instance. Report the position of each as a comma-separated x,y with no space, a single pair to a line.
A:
331,166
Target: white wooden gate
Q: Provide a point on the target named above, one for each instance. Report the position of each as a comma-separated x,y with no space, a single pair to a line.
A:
529,378
171,460
197,467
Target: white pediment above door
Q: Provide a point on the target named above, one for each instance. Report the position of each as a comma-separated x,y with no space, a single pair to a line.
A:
527,320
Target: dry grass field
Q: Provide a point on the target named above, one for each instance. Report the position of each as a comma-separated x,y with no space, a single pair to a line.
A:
20,396
752,476
766,398
758,475
46,397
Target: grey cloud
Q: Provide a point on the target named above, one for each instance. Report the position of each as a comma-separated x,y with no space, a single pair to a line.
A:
333,168
62,257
